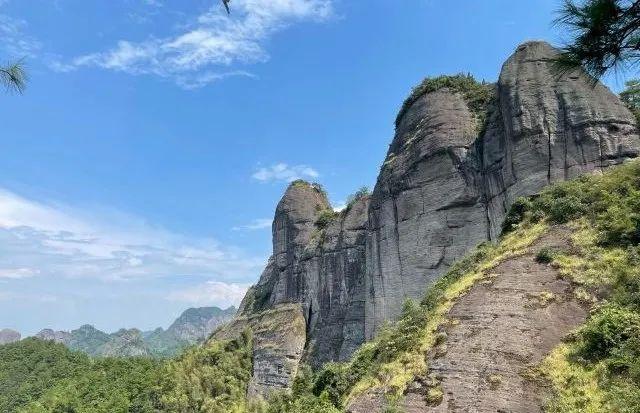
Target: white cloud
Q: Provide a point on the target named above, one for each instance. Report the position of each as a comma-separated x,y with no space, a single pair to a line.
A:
53,240
200,80
211,292
14,41
339,206
256,224
284,172
207,48
17,273
28,297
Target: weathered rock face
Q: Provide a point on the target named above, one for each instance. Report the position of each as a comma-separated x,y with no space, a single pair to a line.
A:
319,267
426,208
445,187
48,334
549,129
279,337
8,336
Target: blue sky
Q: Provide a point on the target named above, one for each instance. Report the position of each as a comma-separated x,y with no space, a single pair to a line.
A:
140,170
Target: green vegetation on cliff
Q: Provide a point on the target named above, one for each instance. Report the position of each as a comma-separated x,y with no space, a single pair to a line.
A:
476,94
397,355
211,379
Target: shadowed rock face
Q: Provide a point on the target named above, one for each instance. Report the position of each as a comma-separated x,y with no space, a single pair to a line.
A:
319,267
426,208
445,187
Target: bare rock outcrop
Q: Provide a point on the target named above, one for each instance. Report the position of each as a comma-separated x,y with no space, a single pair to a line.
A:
318,261
8,336
279,337
445,186
549,128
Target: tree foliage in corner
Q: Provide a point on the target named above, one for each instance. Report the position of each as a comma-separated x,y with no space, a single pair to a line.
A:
606,34
631,97
13,77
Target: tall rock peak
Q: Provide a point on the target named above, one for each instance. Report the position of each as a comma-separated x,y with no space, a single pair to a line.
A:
295,217
462,153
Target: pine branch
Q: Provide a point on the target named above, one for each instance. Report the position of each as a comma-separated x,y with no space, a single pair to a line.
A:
13,77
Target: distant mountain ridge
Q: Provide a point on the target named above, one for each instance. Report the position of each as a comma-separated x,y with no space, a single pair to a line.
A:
192,326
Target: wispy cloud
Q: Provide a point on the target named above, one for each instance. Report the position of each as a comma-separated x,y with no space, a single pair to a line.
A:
254,225
211,292
284,172
14,40
208,48
17,273
52,240
154,3
28,297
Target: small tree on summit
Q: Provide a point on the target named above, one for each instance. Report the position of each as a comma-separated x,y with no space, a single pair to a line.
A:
13,77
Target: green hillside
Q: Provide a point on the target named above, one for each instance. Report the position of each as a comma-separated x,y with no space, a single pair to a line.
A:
596,369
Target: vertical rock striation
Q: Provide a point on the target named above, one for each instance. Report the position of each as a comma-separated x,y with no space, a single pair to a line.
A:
550,128
320,266
445,186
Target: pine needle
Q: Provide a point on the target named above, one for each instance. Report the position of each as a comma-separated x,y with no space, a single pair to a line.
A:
13,77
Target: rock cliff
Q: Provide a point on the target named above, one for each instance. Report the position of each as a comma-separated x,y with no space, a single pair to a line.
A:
452,171
444,187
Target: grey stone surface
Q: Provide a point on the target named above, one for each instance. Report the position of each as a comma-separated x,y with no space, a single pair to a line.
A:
445,187
497,333
48,334
320,268
279,337
9,336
